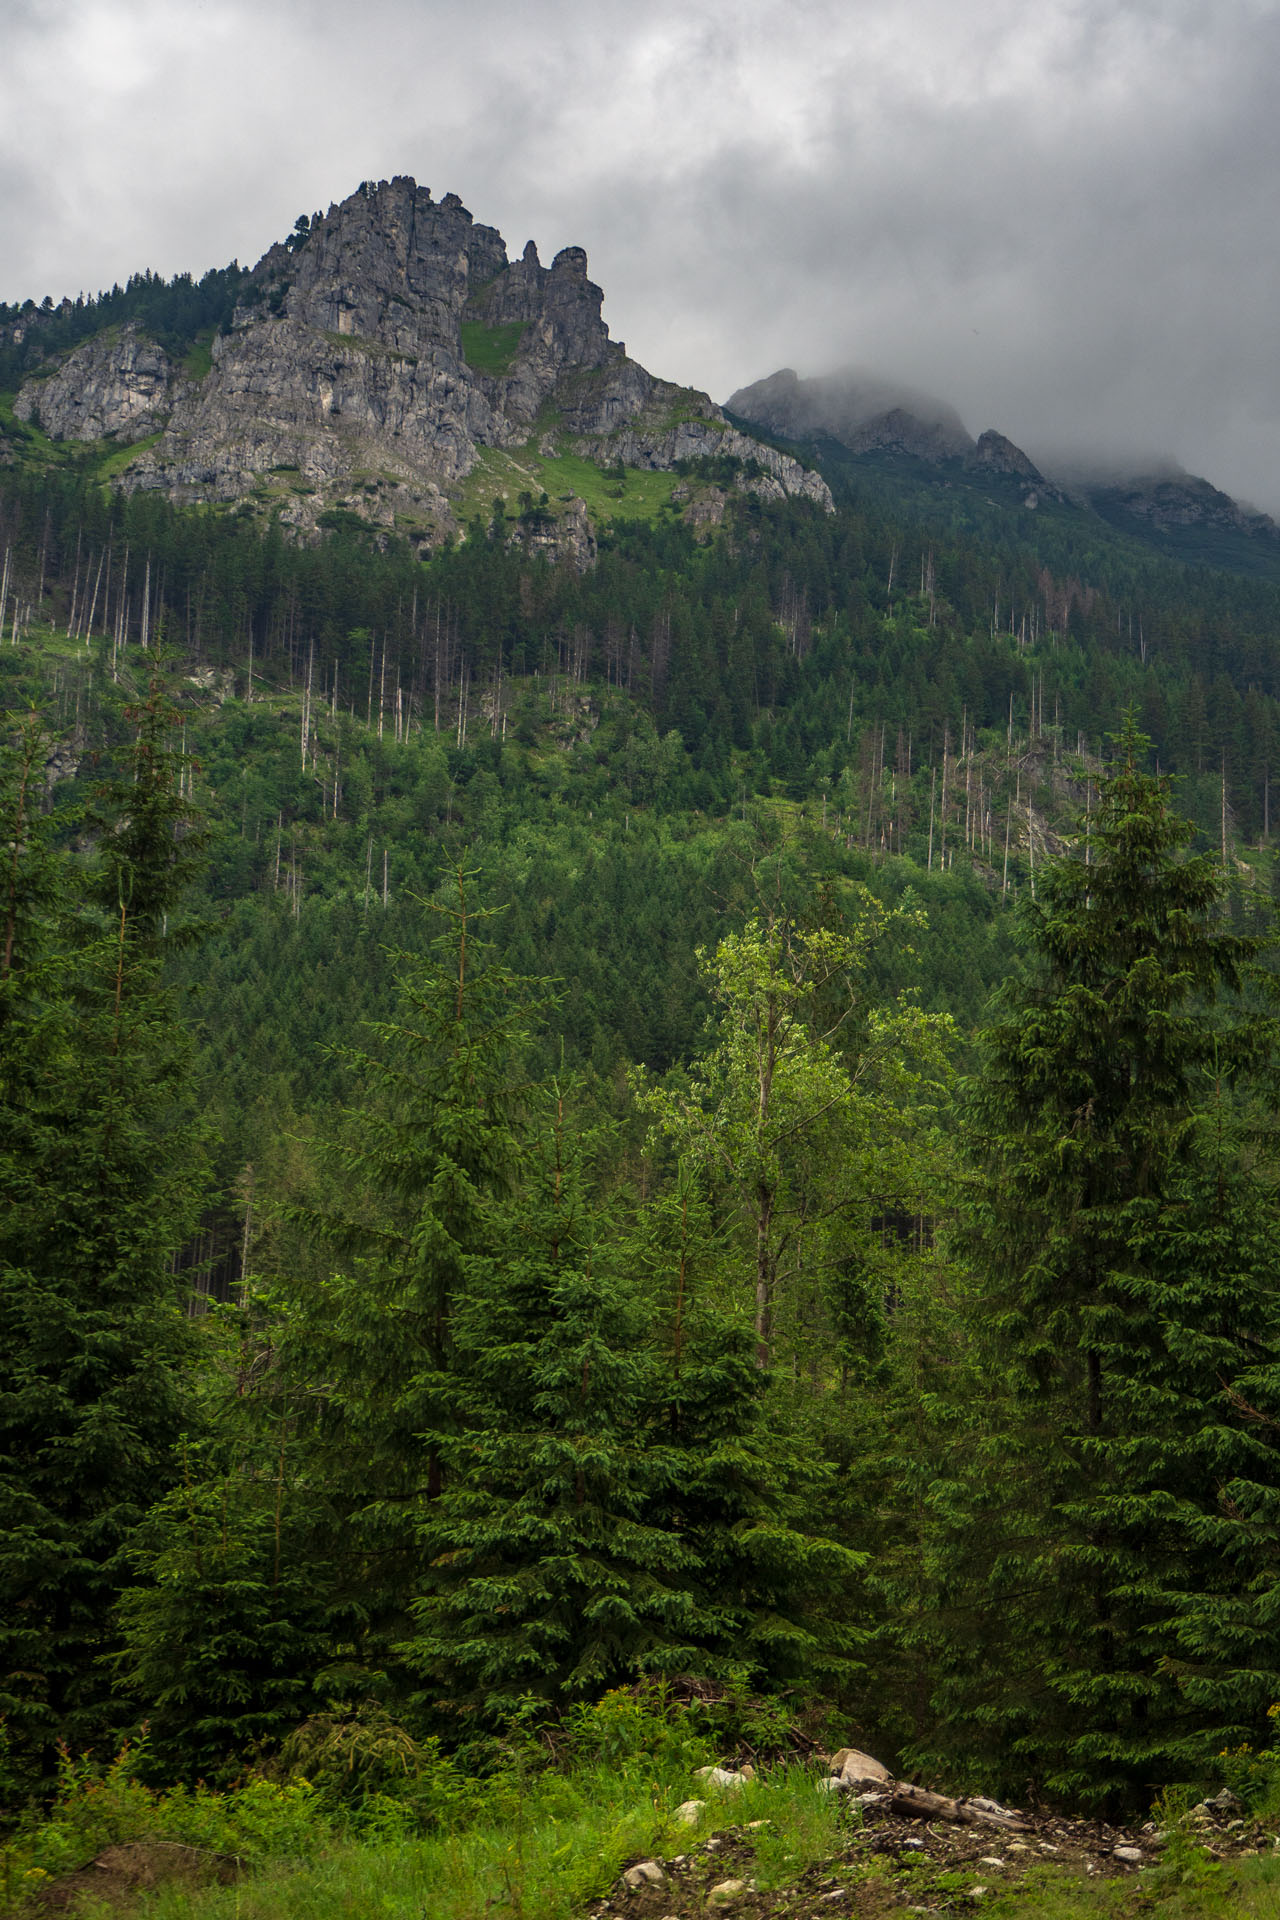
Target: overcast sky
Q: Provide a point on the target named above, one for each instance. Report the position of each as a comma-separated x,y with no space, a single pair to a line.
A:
1060,216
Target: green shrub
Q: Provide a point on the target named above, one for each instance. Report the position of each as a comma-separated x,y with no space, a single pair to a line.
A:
490,349
638,1725
366,1766
98,1807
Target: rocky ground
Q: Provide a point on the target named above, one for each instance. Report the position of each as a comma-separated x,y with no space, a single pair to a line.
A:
894,1862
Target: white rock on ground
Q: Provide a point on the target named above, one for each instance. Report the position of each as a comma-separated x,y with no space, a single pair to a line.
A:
723,1779
991,1806
645,1873
859,1769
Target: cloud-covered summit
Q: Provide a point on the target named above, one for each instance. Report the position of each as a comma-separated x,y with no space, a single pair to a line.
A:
854,407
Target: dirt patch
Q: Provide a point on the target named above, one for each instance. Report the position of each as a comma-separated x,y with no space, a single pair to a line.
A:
119,1874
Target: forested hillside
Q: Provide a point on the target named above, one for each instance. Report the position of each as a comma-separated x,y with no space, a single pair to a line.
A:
517,1185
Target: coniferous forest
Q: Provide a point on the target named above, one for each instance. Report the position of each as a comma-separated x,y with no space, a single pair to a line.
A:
683,1151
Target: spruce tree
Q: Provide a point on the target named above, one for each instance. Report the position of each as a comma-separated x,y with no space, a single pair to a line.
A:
616,1504
543,1572
363,1319
99,1183
779,1591
1112,1526
226,1632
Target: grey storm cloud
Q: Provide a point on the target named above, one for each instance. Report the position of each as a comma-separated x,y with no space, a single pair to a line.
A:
1060,218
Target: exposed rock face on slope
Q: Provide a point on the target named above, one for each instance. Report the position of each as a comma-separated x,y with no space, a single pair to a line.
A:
121,383
869,416
1176,502
373,359
999,455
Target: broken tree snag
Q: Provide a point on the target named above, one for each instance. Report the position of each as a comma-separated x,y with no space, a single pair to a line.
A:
918,1803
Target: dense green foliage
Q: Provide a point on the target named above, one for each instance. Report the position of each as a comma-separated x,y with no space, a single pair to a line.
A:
584,1272
101,1179
1123,1242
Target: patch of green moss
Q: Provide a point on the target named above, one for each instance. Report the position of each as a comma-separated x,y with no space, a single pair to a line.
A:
198,359
342,520
357,343
10,426
491,349
29,442
682,412
635,494
117,462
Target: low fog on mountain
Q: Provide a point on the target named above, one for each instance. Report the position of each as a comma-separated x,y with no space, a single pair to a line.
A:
1057,220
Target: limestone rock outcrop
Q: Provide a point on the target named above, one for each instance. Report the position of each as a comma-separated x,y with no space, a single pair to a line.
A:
120,383
643,443
1176,501
997,454
372,360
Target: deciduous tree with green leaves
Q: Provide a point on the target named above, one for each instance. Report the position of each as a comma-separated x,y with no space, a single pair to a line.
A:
812,1115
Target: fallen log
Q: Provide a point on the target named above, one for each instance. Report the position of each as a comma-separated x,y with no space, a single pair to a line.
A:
919,1804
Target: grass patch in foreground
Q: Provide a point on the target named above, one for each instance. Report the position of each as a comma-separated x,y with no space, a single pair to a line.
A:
550,1846
541,1846
534,1842
1185,1889
562,1844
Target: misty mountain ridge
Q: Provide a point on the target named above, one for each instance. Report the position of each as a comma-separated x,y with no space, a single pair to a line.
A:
390,365
875,419
852,406
869,415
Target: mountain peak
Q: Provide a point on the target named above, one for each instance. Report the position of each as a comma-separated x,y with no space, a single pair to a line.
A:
373,357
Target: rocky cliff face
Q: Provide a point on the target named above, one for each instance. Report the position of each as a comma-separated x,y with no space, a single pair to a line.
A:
372,361
120,383
1177,502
